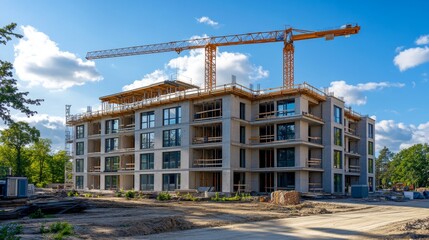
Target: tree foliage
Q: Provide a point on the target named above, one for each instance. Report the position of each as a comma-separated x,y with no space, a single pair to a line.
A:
17,136
382,165
10,97
39,156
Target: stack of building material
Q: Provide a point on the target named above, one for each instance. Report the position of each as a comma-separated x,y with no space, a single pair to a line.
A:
286,197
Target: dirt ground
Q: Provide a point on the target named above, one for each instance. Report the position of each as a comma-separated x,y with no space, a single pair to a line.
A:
110,218
413,229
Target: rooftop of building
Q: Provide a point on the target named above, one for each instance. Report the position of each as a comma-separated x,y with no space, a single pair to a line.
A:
172,91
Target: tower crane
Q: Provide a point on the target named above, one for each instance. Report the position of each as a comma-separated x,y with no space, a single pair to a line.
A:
210,44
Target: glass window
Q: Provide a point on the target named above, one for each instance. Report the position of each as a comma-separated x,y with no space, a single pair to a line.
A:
286,108
146,182
79,148
80,131
242,134
370,148
286,157
172,116
370,165
370,130
338,163
286,131
286,180
242,111
266,158
147,120
242,158
338,183
111,182
112,126
338,137
171,160
338,116
79,165
146,161
111,144
112,164
79,182
170,182
147,140
171,138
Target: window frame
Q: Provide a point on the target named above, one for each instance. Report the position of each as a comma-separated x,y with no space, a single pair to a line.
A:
338,119
242,111
286,162
111,126
172,137
79,165
150,182
242,158
80,148
149,140
287,135
113,166
79,183
282,107
338,140
370,148
166,116
80,131
150,120
171,160
335,163
370,130
243,134
176,183
111,177
150,161
111,144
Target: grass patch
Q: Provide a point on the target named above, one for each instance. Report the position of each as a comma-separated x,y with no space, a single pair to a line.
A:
59,229
163,196
237,197
10,230
130,194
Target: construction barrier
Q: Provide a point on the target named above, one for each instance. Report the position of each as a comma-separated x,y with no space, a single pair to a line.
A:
286,197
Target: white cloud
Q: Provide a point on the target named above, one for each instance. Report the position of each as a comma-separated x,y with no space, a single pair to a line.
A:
397,136
192,66
422,40
39,61
355,94
207,20
411,57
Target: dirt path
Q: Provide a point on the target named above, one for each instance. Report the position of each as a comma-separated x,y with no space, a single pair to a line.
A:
376,222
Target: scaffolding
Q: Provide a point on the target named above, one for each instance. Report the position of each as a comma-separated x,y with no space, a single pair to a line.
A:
68,166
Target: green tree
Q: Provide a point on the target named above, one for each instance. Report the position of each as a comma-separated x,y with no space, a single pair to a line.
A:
39,156
381,165
17,136
56,166
10,97
411,166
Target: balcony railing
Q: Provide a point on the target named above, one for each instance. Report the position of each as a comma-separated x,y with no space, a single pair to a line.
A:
201,140
275,114
95,169
126,128
314,163
208,114
316,140
262,139
354,169
129,166
208,163
315,187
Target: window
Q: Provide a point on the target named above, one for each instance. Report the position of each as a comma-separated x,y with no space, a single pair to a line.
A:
171,138
338,137
112,164
170,182
111,144
338,163
370,184
111,182
370,130
79,182
370,148
242,134
286,157
285,131
338,118
147,120
171,160
266,109
239,181
242,111
79,165
80,131
172,116
79,148
286,180
370,165
147,140
338,183
286,108
242,158
146,182
112,126
266,158
146,161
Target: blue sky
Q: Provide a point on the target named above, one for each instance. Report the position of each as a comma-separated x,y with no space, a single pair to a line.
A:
50,62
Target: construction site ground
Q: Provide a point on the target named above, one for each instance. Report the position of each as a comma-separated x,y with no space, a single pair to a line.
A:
113,218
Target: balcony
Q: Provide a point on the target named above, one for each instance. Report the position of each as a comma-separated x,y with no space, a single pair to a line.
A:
205,158
208,110
208,134
315,187
204,163
353,169
315,140
201,140
314,162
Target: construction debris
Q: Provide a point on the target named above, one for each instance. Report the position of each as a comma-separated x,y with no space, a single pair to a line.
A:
286,197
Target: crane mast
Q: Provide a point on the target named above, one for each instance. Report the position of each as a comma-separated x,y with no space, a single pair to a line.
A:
210,44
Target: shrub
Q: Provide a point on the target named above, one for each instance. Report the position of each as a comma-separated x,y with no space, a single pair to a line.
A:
216,198
10,230
119,193
130,194
189,197
37,214
163,196
60,229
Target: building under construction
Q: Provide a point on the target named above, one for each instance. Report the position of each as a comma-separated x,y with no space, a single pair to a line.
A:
173,135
